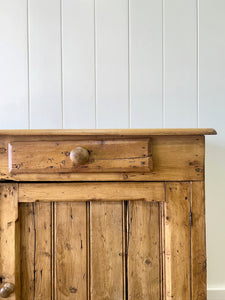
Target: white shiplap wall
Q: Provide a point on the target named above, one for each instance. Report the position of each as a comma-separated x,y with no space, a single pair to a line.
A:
121,64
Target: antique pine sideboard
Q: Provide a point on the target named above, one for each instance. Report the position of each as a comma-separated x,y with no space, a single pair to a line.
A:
102,214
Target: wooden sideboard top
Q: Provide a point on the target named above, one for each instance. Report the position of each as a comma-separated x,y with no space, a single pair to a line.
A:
121,132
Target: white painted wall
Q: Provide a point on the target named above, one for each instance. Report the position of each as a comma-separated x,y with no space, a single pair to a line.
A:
121,64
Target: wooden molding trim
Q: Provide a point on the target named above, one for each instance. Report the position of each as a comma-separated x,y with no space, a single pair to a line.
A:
91,191
127,132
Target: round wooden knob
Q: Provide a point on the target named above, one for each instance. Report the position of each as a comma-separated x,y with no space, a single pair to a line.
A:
6,290
79,156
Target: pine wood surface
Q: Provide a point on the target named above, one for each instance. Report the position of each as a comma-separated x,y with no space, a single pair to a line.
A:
105,155
9,237
111,249
177,242
106,251
91,191
70,251
166,131
143,251
198,242
174,158
141,236
36,251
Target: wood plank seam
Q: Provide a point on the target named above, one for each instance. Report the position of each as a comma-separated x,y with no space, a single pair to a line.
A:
190,197
53,283
88,270
127,232
35,245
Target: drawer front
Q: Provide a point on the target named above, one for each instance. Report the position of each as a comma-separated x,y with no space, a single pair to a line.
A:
96,156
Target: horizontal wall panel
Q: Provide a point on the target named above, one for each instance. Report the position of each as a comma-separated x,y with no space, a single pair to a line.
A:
13,65
111,30
45,64
180,54
145,63
78,64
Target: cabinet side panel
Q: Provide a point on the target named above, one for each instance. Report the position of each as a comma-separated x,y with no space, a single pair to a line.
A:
70,251
36,251
198,242
177,241
106,250
143,247
9,265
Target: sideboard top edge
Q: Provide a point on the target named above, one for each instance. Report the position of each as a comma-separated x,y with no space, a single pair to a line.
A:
125,132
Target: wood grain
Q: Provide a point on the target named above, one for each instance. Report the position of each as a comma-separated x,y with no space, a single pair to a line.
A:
119,132
27,232
144,251
91,191
177,241
106,251
36,250
104,156
175,158
198,242
70,251
9,237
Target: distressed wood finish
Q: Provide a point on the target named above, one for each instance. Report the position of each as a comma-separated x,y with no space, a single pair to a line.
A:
100,191
175,158
119,132
70,251
198,242
106,251
143,248
177,242
36,250
141,236
9,237
105,156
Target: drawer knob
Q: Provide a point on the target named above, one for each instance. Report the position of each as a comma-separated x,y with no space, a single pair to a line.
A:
79,156
6,290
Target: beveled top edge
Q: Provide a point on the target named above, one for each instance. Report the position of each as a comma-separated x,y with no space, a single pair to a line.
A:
120,132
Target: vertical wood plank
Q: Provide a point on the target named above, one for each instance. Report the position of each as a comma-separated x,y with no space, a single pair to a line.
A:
106,250
177,241
144,251
78,64
43,251
27,254
45,63
146,63
36,251
9,252
180,54
198,242
162,251
111,34
13,62
211,111
71,251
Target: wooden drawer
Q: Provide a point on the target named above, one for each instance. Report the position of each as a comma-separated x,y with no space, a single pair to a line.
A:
96,156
